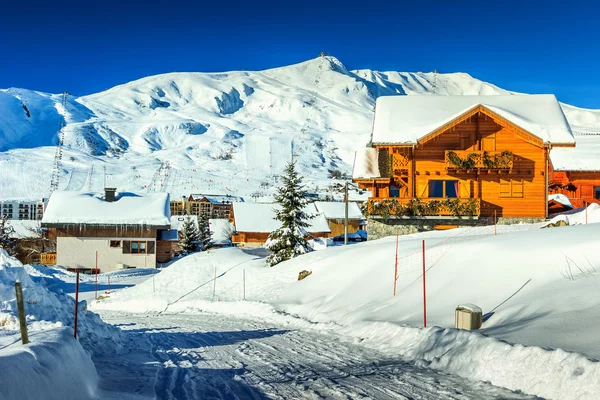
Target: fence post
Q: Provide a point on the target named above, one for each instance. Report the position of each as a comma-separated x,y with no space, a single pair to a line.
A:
21,310
244,284
96,295
214,285
424,291
76,304
396,266
153,286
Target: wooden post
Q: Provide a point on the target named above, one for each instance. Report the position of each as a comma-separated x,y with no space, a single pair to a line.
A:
76,304
153,286
346,214
244,284
21,310
424,291
396,266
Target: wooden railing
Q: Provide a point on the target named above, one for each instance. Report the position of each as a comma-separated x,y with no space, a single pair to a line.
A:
391,206
48,258
471,160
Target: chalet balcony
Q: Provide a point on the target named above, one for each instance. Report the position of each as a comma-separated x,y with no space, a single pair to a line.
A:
425,207
467,160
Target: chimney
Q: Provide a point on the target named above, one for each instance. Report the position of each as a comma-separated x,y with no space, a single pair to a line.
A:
109,194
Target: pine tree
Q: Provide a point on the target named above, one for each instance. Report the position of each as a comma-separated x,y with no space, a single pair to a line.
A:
7,242
289,240
204,233
190,238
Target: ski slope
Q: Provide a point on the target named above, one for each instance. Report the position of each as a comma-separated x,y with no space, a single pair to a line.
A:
219,132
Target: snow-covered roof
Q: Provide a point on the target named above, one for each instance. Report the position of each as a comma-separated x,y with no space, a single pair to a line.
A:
149,209
336,210
560,198
585,156
221,230
260,217
406,119
366,164
217,198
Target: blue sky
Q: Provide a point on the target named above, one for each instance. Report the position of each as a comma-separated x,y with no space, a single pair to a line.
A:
85,47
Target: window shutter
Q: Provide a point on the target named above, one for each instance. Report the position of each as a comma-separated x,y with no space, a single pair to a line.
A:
126,247
517,188
464,189
505,188
150,247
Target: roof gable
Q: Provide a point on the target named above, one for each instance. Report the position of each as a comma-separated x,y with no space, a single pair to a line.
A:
405,120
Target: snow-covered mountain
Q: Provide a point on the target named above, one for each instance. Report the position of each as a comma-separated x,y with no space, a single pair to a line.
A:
210,132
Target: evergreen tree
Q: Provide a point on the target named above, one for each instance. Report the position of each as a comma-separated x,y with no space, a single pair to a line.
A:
7,242
289,240
204,233
190,238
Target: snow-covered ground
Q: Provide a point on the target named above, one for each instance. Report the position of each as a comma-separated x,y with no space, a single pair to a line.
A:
537,287
218,133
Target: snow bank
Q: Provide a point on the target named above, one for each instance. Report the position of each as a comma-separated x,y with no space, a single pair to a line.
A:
588,215
52,366
90,208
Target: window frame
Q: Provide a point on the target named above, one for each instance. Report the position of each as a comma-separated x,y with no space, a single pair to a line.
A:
513,188
118,246
444,191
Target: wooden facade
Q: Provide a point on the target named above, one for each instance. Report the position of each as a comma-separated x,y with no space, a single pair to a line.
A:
337,226
582,187
259,238
480,163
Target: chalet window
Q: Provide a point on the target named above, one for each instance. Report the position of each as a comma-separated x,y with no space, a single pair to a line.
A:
394,191
511,188
115,243
138,247
597,192
443,189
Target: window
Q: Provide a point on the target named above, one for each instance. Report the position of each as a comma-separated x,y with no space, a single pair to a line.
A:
394,191
138,247
443,189
511,188
597,192
115,243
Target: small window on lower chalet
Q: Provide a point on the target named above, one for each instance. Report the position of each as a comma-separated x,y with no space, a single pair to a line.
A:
443,189
115,243
394,191
597,192
511,188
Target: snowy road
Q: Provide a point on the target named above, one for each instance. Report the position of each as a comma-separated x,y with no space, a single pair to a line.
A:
213,356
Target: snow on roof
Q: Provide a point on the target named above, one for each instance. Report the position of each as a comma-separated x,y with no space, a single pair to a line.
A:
150,209
406,119
585,156
337,209
366,164
221,230
260,217
560,198
217,198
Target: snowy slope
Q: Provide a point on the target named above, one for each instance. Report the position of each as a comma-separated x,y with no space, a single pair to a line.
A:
228,132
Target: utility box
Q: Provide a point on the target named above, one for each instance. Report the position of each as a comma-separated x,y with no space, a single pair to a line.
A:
468,316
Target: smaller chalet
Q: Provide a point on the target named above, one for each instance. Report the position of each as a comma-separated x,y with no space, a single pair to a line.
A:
335,213
125,230
253,222
575,172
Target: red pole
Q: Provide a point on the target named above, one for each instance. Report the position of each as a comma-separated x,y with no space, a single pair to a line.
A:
96,295
424,291
396,266
76,305
495,222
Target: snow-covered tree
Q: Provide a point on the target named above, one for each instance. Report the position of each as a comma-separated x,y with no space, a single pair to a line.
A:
204,233
190,237
289,240
7,242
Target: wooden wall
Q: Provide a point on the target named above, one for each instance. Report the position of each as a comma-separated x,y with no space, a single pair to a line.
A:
261,237
579,186
164,251
337,227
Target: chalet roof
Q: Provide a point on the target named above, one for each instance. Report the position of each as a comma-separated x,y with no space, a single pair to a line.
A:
337,210
260,217
366,164
217,198
585,156
84,208
406,119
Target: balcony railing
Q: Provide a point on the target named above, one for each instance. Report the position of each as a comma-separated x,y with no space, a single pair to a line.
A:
472,160
396,207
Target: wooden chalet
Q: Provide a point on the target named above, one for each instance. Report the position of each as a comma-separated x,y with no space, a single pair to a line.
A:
109,231
575,172
461,156
253,222
335,213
